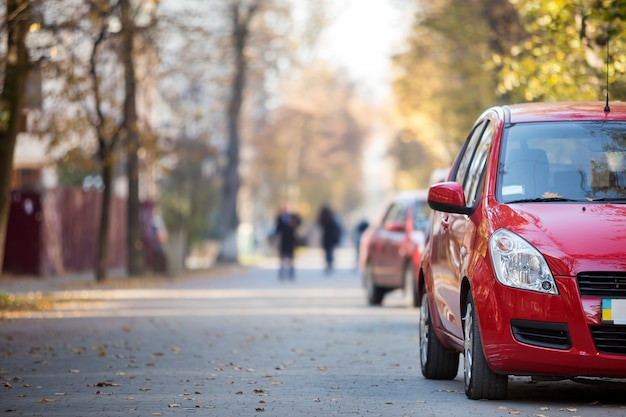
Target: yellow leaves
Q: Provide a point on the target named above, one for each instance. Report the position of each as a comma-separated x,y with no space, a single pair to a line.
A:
47,400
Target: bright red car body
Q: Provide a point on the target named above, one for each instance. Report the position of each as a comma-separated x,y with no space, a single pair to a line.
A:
391,249
525,268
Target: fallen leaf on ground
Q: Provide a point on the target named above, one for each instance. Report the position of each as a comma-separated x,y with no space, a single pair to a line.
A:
107,384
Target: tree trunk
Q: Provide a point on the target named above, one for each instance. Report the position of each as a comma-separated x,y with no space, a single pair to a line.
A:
134,238
12,103
102,259
229,220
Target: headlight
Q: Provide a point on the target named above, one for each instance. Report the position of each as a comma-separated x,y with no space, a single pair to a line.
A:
518,264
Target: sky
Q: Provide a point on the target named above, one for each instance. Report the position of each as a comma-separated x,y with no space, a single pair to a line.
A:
362,36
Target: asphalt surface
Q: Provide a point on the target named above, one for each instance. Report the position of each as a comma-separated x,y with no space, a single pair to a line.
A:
240,342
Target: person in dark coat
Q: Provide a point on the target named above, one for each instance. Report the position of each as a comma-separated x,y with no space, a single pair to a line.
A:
358,234
331,235
286,233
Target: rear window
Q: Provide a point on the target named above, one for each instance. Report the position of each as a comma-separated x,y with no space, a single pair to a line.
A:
567,161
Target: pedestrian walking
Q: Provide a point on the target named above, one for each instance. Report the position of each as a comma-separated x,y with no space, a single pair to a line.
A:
358,234
331,235
286,233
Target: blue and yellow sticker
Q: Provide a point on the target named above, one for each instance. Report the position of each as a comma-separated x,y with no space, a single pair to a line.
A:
607,312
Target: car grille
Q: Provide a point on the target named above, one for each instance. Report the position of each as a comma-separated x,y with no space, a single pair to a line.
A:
610,339
602,284
540,333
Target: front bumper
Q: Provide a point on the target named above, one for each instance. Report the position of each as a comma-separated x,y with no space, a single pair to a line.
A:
528,333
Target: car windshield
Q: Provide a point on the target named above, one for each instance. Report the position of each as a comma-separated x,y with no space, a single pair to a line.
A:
563,161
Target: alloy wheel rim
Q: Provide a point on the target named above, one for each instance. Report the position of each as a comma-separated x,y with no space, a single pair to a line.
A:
467,345
424,331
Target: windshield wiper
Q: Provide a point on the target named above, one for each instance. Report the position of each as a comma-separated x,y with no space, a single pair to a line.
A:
544,200
609,199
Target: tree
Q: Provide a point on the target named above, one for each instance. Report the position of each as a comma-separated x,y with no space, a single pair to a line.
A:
93,82
309,151
241,18
188,194
17,65
564,55
134,243
442,83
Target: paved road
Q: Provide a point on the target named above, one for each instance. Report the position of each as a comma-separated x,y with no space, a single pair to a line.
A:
246,344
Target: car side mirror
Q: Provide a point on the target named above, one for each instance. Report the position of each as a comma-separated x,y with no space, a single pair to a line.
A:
448,197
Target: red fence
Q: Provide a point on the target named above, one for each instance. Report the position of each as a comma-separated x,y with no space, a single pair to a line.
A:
51,233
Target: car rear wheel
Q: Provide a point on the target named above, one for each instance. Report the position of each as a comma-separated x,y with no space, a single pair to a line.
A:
480,381
437,362
375,293
410,296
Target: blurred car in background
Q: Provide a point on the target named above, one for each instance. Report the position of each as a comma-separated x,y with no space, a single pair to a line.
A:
391,249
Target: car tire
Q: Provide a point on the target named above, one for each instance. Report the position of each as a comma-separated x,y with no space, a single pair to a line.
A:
480,381
437,362
375,294
410,295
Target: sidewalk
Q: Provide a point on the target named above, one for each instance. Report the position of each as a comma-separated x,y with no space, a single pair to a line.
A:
305,258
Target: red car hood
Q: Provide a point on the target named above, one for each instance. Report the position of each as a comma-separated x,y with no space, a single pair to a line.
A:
572,237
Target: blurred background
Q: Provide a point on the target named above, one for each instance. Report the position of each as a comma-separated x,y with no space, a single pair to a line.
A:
163,135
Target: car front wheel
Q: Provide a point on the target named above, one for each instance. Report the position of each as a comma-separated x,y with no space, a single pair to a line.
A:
437,362
480,381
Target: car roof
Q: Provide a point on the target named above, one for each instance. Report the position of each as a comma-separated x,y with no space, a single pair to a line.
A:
563,111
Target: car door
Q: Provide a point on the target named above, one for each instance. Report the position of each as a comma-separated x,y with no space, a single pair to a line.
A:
451,245
395,251
388,228
377,246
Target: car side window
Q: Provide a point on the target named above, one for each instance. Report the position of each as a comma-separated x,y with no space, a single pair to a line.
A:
395,213
476,172
468,153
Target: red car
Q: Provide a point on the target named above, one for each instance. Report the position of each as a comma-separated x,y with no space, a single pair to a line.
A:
391,250
525,269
